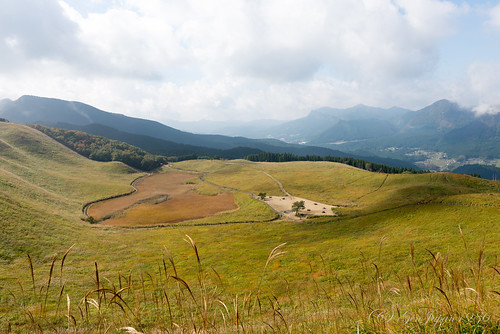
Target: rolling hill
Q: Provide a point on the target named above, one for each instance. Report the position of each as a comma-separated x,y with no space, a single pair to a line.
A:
398,241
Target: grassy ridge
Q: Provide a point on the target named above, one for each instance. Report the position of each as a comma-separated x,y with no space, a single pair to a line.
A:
103,149
43,188
355,190
326,282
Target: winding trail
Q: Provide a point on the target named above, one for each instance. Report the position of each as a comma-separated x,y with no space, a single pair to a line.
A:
86,206
277,182
378,188
254,196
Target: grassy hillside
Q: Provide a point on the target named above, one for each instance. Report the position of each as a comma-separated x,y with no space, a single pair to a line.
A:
387,254
355,191
44,186
103,149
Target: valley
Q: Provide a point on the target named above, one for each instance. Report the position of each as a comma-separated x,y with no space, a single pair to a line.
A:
249,167
391,243
440,161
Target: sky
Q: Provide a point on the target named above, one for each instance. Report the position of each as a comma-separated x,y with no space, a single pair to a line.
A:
190,60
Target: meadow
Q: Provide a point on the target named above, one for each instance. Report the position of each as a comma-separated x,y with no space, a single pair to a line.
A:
407,253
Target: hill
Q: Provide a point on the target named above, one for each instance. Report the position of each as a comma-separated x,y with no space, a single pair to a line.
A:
103,149
485,172
44,185
406,242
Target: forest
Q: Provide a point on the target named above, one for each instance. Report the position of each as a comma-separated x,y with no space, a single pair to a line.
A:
363,164
103,149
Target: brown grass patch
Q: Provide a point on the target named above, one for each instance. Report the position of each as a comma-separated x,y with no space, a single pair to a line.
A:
179,208
171,184
146,207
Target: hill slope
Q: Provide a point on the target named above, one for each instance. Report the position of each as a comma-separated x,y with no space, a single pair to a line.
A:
398,239
43,187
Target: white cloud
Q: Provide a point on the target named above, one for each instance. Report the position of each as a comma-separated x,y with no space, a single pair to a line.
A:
33,30
273,39
494,18
227,58
485,85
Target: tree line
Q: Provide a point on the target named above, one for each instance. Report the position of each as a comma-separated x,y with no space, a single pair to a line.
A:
103,149
362,164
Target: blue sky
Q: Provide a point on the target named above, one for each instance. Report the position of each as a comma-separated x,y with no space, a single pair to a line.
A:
247,59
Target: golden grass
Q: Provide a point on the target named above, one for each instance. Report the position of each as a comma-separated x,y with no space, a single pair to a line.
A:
435,297
384,271
179,208
357,191
171,184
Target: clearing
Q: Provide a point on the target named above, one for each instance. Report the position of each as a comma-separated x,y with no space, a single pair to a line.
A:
283,204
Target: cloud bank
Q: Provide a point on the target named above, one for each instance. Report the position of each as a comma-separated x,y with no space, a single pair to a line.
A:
236,59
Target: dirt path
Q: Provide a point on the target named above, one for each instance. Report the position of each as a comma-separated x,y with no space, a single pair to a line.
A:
277,182
378,188
85,208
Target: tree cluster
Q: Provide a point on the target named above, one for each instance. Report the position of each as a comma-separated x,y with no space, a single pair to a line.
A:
362,164
104,149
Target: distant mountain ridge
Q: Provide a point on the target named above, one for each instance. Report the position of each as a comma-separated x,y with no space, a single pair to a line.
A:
457,132
48,111
153,136
442,126
363,132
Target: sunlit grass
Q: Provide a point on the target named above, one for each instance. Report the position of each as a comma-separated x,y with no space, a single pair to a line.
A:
335,273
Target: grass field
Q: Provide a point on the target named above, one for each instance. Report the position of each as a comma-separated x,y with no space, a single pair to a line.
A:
188,206
411,253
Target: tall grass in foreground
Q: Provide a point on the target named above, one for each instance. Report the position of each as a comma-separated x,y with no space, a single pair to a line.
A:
431,298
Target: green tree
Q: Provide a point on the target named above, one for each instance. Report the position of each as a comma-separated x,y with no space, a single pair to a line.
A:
262,196
297,206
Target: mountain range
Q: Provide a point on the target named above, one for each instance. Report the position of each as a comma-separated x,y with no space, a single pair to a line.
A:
393,136
153,136
440,125
443,126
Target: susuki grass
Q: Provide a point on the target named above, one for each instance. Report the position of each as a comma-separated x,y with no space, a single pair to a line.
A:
411,254
432,297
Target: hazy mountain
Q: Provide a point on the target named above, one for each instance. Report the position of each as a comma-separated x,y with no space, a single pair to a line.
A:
480,137
47,111
319,121
442,126
442,115
262,128
369,129
363,129
484,171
